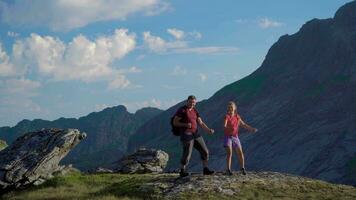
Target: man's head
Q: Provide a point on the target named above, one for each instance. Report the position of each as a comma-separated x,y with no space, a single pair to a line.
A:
191,101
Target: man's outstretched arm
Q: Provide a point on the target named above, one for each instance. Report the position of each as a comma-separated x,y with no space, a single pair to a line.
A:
204,126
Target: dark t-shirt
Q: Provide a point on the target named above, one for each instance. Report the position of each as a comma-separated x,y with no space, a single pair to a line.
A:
188,116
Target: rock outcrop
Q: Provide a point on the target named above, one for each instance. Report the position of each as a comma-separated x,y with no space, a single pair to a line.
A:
143,161
35,156
256,185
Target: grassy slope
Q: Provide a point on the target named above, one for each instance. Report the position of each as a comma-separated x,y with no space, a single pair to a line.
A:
118,186
2,144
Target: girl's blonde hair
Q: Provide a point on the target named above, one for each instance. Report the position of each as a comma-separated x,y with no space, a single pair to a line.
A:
233,104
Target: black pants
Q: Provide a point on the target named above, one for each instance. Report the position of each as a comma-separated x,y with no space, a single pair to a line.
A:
190,141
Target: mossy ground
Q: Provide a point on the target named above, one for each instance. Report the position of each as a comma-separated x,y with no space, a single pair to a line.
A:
120,186
80,186
3,145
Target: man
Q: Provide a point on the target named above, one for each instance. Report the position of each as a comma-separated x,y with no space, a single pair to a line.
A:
187,117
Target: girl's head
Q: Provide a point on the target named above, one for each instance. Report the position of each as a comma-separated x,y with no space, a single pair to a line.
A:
231,107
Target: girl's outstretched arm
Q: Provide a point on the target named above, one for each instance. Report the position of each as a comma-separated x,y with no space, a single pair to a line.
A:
248,127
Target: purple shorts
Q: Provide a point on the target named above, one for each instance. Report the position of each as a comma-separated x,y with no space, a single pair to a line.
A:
232,141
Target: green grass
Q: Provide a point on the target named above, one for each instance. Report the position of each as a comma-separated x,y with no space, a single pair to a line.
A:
78,186
120,186
3,145
268,189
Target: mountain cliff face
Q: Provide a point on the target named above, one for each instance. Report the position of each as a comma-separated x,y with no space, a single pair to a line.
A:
302,99
107,134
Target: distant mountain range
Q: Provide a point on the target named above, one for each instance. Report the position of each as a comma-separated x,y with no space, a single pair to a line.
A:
302,99
107,134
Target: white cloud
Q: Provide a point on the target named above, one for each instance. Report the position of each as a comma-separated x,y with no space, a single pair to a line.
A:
7,68
133,69
81,59
132,106
62,15
196,35
19,87
158,45
208,50
178,70
268,23
119,82
100,107
178,34
12,34
203,77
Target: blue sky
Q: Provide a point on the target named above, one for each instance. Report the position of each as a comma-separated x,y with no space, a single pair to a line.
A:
65,58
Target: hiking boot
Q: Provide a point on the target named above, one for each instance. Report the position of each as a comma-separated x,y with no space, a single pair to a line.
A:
207,171
243,171
228,172
183,173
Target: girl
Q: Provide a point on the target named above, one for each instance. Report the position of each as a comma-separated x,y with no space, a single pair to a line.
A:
232,122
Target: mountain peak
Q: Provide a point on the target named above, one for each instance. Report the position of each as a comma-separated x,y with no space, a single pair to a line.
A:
120,108
346,16
146,109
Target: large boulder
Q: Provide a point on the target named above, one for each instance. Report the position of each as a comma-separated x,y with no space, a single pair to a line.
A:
144,161
35,156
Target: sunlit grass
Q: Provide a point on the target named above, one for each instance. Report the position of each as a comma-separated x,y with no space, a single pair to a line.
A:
77,186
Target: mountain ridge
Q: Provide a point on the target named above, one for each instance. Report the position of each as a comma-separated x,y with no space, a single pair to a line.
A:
108,131
302,100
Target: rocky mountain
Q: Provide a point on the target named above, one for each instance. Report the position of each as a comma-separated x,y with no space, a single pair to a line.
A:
302,99
107,134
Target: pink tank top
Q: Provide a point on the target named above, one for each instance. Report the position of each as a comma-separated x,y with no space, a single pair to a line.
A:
232,126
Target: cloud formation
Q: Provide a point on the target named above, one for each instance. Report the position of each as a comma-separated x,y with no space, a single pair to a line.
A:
81,59
65,15
7,69
135,105
203,77
157,44
178,34
268,23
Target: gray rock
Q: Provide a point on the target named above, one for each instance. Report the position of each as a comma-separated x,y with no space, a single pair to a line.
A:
103,170
34,157
66,170
144,161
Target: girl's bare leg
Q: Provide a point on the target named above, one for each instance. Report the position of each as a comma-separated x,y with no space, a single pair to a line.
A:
228,157
241,157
